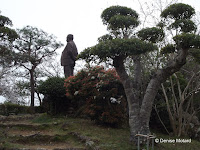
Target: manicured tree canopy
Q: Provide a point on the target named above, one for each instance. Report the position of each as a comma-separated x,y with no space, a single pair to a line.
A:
118,47
120,19
119,11
153,35
178,11
181,14
185,25
187,41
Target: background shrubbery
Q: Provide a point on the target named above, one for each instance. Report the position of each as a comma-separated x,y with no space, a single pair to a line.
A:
55,101
9,108
93,93
98,94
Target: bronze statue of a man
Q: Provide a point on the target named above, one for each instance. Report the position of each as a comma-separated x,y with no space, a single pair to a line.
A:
68,56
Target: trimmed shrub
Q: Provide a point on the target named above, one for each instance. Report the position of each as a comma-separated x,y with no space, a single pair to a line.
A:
98,94
9,108
54,102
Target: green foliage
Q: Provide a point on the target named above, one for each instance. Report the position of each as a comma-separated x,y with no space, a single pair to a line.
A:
151,34
178,11
105,38
7,33
186,40
116,47
110,47
44,118
33,48
7,36
53,86
34,45
120,20
86,55
196,54
185,25
181,15
112,11
55,101
170,48
7,108
4,21
98,94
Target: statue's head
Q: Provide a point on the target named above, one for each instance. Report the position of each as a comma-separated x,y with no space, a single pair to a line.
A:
70,37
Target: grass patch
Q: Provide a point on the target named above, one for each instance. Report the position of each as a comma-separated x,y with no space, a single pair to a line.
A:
108,138
105,138
118,138
8,145
43,119
47,119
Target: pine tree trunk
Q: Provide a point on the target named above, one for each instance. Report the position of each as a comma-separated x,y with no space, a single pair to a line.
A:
32,87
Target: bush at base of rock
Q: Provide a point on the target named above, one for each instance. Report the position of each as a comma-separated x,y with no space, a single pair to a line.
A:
98,94
54,102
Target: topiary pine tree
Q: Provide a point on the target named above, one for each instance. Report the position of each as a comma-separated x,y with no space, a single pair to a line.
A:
121,22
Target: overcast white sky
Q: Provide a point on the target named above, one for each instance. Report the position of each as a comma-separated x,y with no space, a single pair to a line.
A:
61,17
